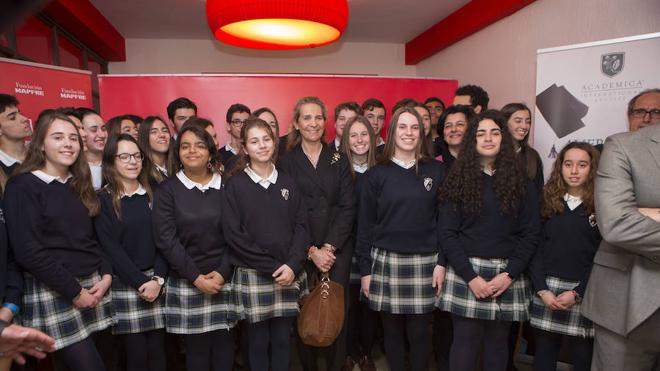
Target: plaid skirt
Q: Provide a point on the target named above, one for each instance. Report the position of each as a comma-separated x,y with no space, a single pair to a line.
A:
458,299
401,283
566,322
46,310
132,314
261,298
189,311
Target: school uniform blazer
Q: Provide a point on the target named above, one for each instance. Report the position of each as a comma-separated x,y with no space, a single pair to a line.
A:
328,194
624,286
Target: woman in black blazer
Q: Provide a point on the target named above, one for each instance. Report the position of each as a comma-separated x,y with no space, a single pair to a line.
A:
325,181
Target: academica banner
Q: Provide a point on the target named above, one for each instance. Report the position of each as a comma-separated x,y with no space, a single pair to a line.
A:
582,91
40,86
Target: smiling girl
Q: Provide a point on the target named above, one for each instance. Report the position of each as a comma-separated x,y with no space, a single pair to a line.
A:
125,233
489,227
49,204
266,226
561,267
398,249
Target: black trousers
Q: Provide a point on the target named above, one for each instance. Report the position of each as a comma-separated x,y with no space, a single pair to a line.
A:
362,325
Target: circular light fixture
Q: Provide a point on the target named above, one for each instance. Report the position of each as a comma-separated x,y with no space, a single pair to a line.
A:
277,24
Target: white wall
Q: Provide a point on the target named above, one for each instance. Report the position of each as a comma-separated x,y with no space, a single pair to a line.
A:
208,56
502,57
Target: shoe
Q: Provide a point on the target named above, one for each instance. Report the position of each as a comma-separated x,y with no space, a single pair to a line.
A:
349,364
367,364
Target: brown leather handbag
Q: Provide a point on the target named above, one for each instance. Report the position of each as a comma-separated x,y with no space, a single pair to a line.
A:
322,314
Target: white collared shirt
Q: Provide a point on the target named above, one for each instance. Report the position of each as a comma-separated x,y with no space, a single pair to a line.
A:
97,176
337,143
572,201
379,141
139,191
362,168
264,182
162,170
215,182
404,164
47,178
7,160
231,149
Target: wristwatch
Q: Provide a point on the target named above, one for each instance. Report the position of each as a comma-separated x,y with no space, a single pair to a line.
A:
160,280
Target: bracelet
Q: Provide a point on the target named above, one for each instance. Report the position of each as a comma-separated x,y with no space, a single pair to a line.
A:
578,298
12,307
309,252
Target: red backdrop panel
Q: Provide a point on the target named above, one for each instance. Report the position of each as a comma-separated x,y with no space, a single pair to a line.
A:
40,86
213,94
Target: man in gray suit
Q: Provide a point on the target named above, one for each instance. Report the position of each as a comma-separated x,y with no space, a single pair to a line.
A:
623,294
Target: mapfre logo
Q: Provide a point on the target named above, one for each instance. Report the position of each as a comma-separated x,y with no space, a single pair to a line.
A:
612,63
29,89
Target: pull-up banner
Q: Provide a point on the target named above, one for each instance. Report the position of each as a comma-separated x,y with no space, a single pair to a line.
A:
582,91
40,86
213,94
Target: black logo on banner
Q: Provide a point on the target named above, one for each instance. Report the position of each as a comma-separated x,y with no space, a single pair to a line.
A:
611,64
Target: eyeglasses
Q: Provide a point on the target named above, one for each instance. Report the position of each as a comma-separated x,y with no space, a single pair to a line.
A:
126,157
640,113
238,122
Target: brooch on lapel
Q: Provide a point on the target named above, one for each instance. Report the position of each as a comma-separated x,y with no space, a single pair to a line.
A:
428,183
335,157
592,220
285,194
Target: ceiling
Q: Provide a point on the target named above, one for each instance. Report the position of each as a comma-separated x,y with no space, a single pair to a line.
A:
378,21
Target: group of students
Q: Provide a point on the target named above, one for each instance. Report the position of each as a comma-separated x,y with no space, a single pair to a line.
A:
449,214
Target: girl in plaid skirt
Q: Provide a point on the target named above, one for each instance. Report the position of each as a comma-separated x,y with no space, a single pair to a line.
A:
125,233
200,302
48,204
561,266
489,229
266,226
397,242
359,145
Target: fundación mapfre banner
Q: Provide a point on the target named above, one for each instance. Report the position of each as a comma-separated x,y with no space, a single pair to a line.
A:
582,91
40,86
213,94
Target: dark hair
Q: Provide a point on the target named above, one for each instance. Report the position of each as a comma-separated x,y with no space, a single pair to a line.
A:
70,111
346,147
262,110
143,140
631,104
244,158
36,160
294,138
7,101
84,112
372,103
470,116
478,96
114,187
528,157
405,102
137,120
349,106
178,103
556,188
113,126
43,113
197,129
421,152
464,183
435,99
202,122
236,107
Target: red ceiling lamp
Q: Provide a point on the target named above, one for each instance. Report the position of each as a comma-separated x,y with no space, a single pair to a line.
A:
277,24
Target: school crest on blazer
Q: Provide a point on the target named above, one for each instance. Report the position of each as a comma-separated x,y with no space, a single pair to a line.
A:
428,183
285,194
592,220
